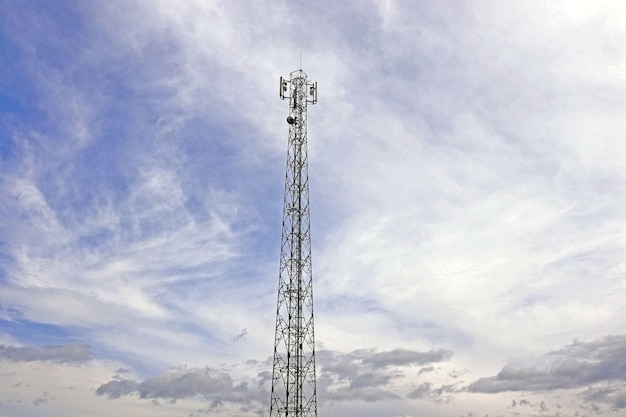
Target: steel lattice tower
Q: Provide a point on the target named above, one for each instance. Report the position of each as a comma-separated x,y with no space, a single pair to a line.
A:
293,378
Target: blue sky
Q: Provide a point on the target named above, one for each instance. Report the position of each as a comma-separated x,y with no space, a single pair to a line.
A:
467,182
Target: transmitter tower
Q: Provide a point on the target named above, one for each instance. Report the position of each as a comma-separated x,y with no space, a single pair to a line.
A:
293,376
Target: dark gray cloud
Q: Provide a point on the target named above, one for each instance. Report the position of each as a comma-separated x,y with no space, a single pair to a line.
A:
442,394
404,357
368,394
581,364
369,379
72,353
117,388
44,398
612,393
368,375
355,362
429,368
179,383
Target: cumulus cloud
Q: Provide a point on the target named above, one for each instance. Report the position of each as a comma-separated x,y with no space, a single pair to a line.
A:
579,364
179,383
612,393
441,394
363,374
117,388
367,374
71,353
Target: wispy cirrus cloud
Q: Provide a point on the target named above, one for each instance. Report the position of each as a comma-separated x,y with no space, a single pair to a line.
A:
466,182
55,353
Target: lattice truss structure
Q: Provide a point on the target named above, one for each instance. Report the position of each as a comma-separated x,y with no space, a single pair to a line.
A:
293,380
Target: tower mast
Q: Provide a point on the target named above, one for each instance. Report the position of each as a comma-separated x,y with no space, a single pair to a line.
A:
293,377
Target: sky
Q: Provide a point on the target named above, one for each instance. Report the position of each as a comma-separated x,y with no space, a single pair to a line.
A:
468,206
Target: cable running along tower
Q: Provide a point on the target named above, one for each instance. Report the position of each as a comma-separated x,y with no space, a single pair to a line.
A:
293,377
